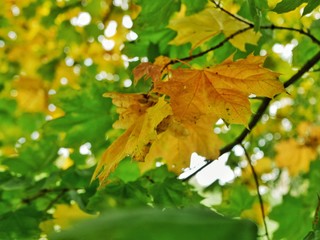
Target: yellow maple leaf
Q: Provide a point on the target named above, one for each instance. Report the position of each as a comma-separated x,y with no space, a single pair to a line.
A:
255,213
262,166
294,156
310,133
32,94
175,145
202,26
64,216
145,115
221,91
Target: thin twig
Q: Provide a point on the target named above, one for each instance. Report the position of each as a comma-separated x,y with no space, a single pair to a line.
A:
227,39
303,70
256,180
271,27
219,45
56,199
231,14
43,193
315,222
250,26
301,31
256,117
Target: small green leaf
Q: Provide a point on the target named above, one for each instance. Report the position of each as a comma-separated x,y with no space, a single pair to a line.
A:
194,6
20,224
287,5
289,216
127,171
310,236
237,199
87,113
312,4
255,14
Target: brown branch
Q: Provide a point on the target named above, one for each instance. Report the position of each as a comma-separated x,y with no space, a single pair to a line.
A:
256,117
256,180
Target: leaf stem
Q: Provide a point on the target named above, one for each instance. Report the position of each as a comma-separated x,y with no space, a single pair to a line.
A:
256,180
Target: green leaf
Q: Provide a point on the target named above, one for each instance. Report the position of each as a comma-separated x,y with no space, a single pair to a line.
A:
235,201
315,28
87,116
312,4
288,5
30,10
194,6
127,171
34,157
47,70
255,14
119,195
20,224
3,22
159,12
295,226
68,33
305,50
166,190
156,224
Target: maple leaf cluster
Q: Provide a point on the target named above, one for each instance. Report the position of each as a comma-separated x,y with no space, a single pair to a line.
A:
177,116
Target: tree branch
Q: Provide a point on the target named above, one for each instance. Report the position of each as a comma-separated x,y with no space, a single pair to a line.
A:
56,199
224,41
301,31
256,180
256,117
271,27
250,26
44,192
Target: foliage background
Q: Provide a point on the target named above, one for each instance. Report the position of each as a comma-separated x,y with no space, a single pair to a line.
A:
59,57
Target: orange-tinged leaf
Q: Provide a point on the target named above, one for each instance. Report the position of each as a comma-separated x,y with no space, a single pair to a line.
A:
149,70
130,107
138,137
294,156
221,91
